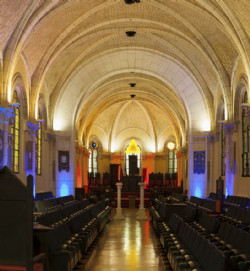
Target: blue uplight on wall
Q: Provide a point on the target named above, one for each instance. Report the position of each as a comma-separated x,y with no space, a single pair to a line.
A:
198,192
34,188
64,190
226,192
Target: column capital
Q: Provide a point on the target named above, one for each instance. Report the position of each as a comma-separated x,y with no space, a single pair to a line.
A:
231,128
50,137
245,106
32,128
79,151
213,137
7,113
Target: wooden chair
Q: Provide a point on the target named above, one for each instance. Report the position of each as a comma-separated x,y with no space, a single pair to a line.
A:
97,179
106,179
151,180
175,177
159,179
91,180
167,179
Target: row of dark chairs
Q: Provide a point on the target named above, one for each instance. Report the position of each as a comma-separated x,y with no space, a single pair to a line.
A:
178,197
206,225
156,179
44,195
234,243
236,201
203,205
47,205
194,201
93,198
65,200
208,205
236,216
187,249
158,212
72,236
212,196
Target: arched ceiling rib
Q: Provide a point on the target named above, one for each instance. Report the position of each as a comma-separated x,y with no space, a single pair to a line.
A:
200,36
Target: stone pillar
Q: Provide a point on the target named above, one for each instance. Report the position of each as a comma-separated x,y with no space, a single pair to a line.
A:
141,213
51,139
79,162
119,215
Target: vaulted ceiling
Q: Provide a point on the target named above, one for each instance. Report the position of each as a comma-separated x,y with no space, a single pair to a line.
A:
183,53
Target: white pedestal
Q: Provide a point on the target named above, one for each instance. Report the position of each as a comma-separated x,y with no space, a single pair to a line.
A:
119,215
141,213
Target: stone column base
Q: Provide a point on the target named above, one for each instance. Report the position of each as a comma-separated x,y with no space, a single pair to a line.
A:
142,214
119,215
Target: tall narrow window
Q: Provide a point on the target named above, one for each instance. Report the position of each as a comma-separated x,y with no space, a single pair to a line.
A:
245,154
172,162
15,136
127,160
39,146
93,164
223,148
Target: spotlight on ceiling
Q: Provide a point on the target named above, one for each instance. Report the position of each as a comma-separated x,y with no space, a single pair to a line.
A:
130,33
129,2
132,85
132,95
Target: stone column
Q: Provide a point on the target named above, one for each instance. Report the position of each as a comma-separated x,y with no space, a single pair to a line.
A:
141,213
51,139
119,215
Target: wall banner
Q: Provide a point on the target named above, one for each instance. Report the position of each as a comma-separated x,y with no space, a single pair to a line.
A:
63,161
199,162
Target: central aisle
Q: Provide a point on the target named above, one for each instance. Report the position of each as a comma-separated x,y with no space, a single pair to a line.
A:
125,246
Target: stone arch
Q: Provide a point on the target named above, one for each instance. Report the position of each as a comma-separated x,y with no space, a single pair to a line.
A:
95,138
42,107
240,89
220,108
18,85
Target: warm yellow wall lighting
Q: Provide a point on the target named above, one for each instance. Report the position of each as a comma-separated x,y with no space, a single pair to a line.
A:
171,145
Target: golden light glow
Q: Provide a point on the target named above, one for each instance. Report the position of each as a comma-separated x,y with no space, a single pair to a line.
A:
133,148
171,145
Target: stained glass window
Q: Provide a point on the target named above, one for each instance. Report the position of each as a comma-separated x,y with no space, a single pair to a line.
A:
15,136
172,162
39,146
127,160
223,148
93,161
245,154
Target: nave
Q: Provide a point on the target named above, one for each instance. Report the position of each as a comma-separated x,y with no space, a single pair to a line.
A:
126,245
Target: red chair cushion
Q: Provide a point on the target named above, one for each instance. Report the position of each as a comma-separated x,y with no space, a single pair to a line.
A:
36,267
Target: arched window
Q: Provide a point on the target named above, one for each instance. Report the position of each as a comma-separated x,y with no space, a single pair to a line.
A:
93,164
245,154
15,135
127,160
223,147
172,162
39,146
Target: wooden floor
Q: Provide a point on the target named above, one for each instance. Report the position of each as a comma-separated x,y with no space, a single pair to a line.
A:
125,246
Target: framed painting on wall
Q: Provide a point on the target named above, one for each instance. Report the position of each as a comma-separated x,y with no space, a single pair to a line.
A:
63,161
199,162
